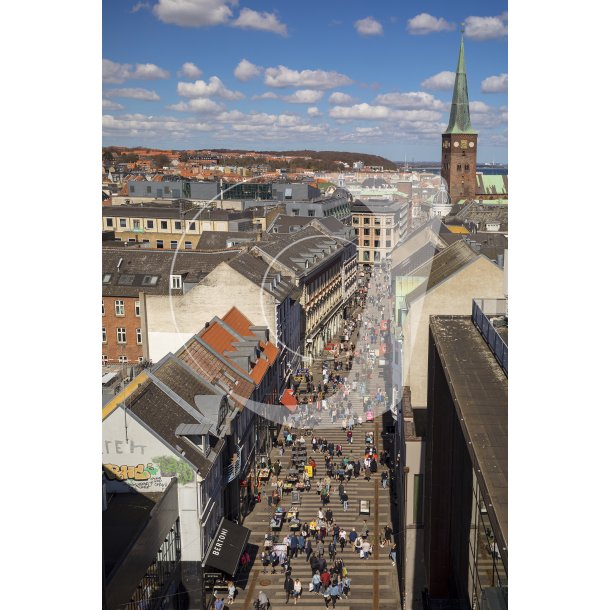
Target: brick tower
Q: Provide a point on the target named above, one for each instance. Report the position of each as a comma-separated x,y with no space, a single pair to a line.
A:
459,147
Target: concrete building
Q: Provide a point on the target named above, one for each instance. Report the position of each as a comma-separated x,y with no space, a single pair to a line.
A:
264,293
466,482
379,226
192,419
129,274
323,266
138,528
337,205
445,284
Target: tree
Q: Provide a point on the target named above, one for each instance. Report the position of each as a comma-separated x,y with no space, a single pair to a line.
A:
184,156
129,158
107,157
161,160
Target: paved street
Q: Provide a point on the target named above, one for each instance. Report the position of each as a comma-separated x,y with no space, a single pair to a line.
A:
374,580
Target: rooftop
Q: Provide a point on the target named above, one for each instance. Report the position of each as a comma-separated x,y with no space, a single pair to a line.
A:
480,395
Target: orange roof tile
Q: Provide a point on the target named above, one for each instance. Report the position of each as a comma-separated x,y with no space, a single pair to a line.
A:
238,322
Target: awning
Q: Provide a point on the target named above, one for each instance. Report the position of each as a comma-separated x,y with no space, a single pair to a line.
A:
227,547
289,401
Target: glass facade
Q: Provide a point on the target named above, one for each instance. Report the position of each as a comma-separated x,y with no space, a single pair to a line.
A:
160,573
485,566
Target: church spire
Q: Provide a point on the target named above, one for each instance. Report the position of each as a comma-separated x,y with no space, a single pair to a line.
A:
459,119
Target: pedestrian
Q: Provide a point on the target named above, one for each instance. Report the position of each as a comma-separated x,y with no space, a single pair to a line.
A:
316,582
334,592
231,593
384,479
345,502
352,536
308,549
297,590
219,604
263,601
392,554
366,549
288,587
388,533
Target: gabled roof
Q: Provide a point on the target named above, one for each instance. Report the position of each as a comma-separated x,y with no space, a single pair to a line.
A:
139,268
442,266
263,275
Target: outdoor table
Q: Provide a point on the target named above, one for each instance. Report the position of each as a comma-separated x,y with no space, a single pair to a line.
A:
292,513
264,473
287,487
295,525
300,486
365,507
276,523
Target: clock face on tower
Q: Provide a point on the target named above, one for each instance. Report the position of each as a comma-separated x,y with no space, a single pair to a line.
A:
456,144
471,144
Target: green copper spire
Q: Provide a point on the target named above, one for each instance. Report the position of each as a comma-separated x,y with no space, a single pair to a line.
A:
459,120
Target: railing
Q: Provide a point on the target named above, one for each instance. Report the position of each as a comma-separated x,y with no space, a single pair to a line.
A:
490,334
233,469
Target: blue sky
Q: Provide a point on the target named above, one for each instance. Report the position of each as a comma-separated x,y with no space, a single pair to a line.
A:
335,75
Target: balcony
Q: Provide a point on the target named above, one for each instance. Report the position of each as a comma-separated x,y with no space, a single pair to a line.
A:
233,469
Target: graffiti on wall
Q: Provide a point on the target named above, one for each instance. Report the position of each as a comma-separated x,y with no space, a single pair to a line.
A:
149,476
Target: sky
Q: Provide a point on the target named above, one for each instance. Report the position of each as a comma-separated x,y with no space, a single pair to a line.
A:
284,75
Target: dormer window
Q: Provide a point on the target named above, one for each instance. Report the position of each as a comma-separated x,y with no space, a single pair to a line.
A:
176,282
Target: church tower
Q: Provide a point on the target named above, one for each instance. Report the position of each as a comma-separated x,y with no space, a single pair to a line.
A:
459,148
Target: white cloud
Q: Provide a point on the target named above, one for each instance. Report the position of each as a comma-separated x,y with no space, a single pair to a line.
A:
368,112
149,72
304,96
255,20
425,23
198,104
139,6
193,13
110,105
340,98
316,79
214,88
135,94
479,107
486,28
268,95
189,70
484,116
443,81
495,84
246,70
413,99
313,111
368,27
113,72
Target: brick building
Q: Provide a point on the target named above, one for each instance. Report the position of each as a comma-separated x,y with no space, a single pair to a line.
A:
129,274
459,142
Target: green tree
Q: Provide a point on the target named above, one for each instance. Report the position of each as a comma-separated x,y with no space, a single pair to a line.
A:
161,160
129,158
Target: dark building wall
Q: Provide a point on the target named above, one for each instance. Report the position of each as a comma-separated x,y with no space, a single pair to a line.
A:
448,490
457,155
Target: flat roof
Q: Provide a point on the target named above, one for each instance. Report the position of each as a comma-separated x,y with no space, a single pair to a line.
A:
479,389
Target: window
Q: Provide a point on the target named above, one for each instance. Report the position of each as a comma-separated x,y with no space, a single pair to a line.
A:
150,224
295,212
388,220
388,243
192,226
311,212
188,245
123,222
140,359
176,282
150,280
159,244
146,241
388,232
367,220
121,335
173,244
104,360
466,167
166,190
159,192
119,308
459,167
103,334
357,231
103,308
132,188
367,231
148,190
136,223
377,243
106,277
355,220
132,240
366,255
164,224
178,225
377,231
123,359
367,242
139,336
137,305
108,222
377,221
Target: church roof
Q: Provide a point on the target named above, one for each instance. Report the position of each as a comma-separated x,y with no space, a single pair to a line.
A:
459,119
